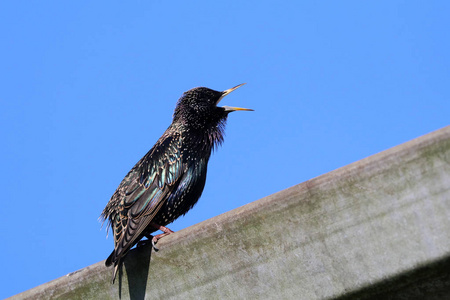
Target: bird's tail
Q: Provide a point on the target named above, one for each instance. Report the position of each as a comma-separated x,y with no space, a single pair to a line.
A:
109,261
116,268
112,259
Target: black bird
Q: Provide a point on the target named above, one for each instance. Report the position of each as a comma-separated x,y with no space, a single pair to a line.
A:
169,179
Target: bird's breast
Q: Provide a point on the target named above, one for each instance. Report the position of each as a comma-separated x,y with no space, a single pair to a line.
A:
185,195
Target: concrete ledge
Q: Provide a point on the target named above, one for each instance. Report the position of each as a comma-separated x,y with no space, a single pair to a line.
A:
379,226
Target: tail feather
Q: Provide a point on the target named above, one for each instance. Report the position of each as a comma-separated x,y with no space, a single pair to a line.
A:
116,268
113,259
109,261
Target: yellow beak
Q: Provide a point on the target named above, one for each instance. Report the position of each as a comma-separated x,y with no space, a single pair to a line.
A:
230,108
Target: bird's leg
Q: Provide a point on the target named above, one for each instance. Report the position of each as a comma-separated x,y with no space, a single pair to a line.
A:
155,239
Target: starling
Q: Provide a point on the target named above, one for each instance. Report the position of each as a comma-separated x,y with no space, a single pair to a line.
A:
168,181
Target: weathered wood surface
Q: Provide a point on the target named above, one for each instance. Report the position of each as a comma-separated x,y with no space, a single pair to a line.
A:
379,226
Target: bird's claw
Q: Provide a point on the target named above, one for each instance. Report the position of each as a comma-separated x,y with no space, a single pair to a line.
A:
154,245
151,239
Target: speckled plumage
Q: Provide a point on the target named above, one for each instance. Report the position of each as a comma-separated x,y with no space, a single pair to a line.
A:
169,179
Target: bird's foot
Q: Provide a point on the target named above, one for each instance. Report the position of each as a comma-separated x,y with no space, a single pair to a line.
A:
154,241
155,238
150,238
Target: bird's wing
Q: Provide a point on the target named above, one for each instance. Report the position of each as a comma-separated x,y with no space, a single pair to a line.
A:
142,193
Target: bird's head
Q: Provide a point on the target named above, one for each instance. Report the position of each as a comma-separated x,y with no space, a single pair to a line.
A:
198,108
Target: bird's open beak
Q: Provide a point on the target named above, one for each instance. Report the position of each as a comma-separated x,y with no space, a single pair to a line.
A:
226,92
230,108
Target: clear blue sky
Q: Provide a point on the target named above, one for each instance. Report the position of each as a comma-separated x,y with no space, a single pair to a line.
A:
87,87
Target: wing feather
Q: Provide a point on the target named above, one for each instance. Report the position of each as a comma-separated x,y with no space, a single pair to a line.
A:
142,193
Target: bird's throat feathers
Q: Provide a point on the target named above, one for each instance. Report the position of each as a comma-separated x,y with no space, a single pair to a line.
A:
204,139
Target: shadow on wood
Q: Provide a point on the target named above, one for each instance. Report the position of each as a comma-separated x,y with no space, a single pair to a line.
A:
137,266
431,282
